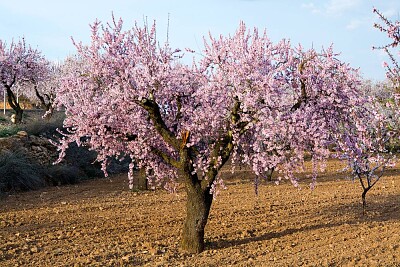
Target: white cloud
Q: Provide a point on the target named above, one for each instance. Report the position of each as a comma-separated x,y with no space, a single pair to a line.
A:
390,12
338,7
360,22
333,7
354,24
311,7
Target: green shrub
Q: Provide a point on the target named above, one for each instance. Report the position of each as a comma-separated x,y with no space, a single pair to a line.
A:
3,119
18,173
8,130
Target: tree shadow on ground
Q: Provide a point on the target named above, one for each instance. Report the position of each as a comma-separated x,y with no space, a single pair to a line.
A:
384,209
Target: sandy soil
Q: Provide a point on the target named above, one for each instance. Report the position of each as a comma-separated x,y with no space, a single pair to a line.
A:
101,223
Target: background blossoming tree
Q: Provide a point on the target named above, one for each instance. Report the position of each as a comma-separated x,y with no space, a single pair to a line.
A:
42,91
19,64
248,99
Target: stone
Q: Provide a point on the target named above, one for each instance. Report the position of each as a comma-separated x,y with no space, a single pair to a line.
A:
22,134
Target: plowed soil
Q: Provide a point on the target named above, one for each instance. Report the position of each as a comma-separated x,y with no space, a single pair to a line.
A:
102,223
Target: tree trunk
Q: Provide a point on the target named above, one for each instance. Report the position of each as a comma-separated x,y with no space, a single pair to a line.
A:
18,115
364,202
141,180
197,209
47,106
12,101
269,173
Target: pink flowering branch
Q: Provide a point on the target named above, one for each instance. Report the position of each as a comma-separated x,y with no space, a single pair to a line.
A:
392,30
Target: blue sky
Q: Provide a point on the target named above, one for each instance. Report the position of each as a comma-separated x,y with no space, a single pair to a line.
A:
49,25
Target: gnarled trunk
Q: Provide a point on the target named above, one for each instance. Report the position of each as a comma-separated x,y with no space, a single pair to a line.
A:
13,102
198,207
46,105
18,115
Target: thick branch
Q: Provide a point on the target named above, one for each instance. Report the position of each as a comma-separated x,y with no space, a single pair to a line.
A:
167,158
11,99
188,172
128,136
155,115
379,176
222,149
303,94
361,180
41,98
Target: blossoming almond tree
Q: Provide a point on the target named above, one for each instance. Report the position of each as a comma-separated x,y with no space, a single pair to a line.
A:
261,103
45,89
19,64
369,150
42,91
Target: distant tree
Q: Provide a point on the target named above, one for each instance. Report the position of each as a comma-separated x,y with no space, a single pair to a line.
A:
371,150
46,88
19,64
42,92
380,91
261,103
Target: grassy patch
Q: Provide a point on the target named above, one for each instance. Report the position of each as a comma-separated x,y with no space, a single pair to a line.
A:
43,127
3,119
8,130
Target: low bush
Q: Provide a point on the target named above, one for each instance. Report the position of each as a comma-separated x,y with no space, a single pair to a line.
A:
85,160
19,173
63,175
119,166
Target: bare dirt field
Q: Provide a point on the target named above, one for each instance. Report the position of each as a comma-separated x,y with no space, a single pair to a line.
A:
102,223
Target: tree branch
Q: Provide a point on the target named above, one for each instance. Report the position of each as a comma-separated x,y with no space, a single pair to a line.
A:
303,93
222,149
155,115
41,98
167,158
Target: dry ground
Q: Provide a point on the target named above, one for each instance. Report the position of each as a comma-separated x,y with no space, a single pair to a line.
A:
101,223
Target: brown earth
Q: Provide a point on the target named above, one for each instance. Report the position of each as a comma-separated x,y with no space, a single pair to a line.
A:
102,223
